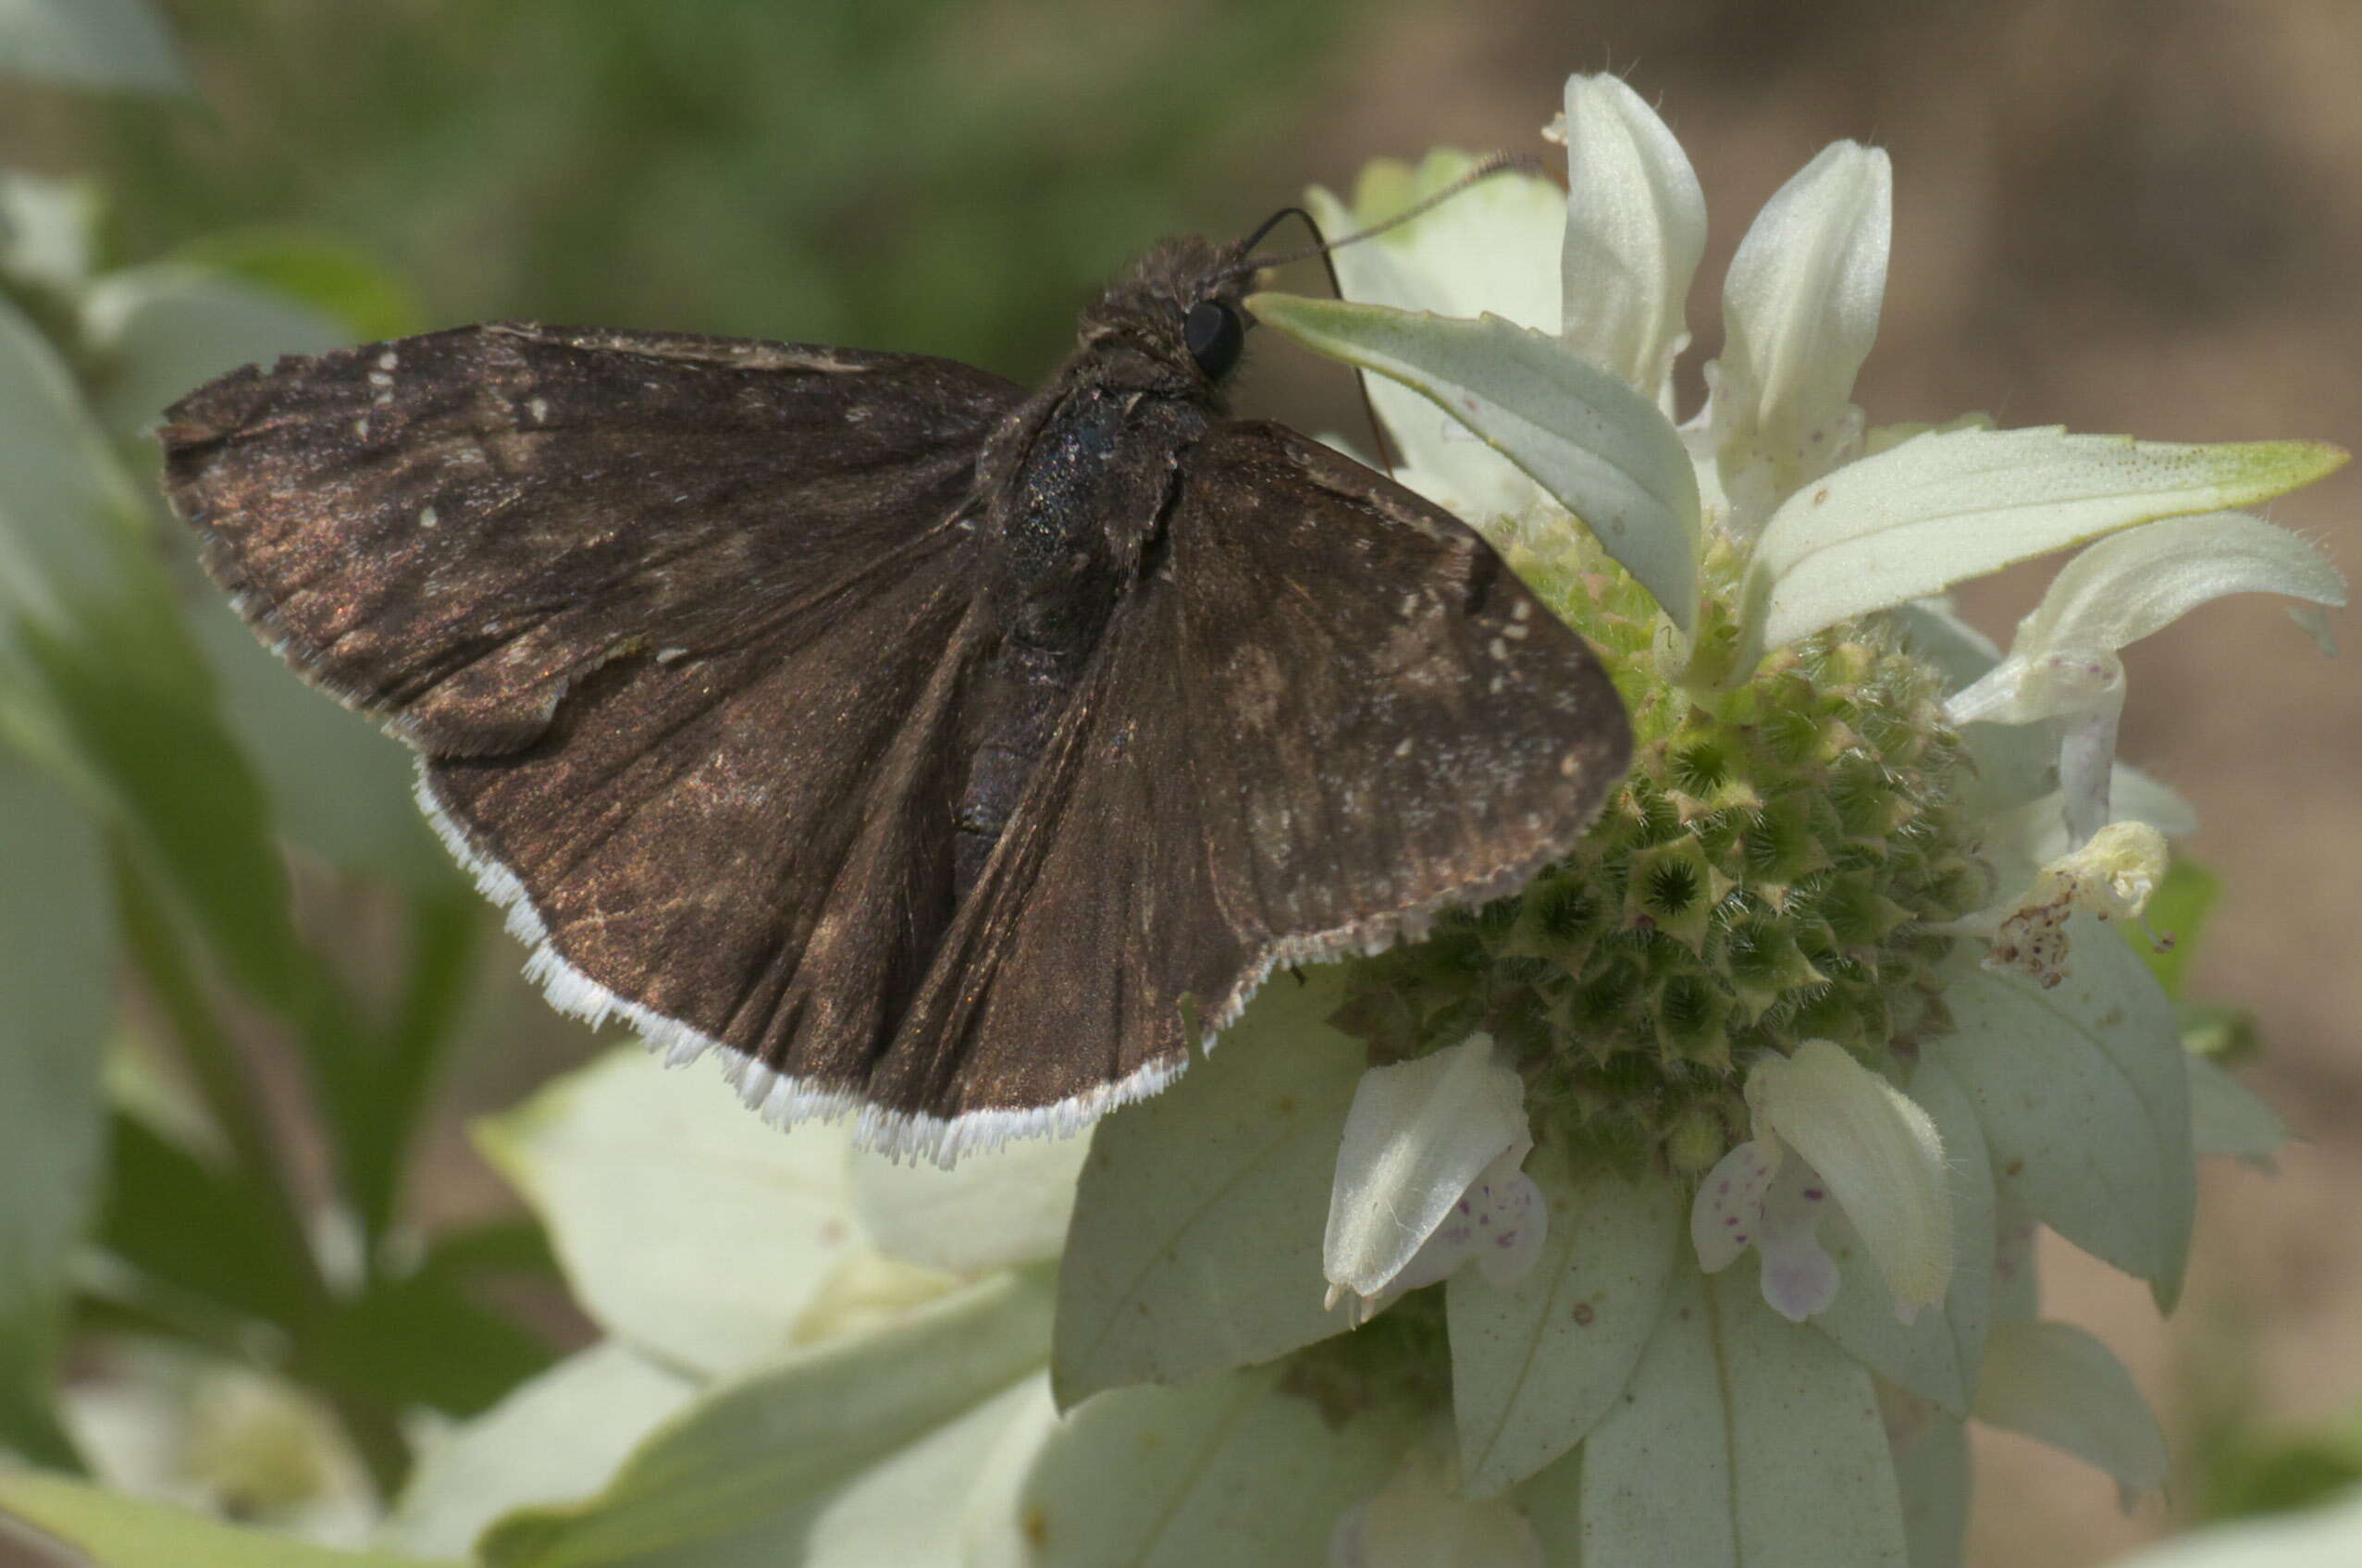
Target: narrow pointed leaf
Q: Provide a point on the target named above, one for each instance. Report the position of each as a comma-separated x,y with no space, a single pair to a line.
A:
1537,1365
2228,1118
1605,451
1936,1354
1952,505
56,952
114,1531
1229,1470
2055,1382
555,1440
749,1473
1195,1245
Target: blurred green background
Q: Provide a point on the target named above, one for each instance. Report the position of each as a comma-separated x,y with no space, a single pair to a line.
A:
2118,215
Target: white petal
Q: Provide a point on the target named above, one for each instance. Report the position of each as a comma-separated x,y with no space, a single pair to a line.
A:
1879,1154
1417,1137
1936,1354
2143,579
1727,1212
1952,505
1605,452
1800,310
2055,1382
1635,226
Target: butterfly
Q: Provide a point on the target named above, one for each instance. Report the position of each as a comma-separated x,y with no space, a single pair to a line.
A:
935,751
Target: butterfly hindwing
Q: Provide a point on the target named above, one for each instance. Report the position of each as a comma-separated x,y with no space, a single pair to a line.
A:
1325,711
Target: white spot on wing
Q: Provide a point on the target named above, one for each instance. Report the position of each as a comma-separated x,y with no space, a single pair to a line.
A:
427,518
538,408
387,361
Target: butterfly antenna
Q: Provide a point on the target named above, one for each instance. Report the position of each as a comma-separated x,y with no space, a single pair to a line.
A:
1485,169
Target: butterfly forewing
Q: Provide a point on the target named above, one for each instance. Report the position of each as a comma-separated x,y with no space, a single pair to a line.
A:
449,530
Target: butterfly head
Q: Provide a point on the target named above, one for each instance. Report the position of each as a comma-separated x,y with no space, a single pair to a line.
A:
1177,321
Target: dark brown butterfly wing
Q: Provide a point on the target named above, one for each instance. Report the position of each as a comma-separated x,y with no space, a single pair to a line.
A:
1327,711
449,530
639,598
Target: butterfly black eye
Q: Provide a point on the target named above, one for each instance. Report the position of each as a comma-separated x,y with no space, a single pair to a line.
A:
1214,335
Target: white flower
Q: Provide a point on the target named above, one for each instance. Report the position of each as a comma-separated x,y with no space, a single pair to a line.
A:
2063,663
1828,1128
2111,877
1428,1178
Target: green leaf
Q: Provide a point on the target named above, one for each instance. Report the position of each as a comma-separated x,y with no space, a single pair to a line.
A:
160,330
1197,1240
749,1473
1936,1354
338,786
420,1341
116,1531
1605,451
1228,1470
1535,1365
2178,908
113,43
1742,1438
689,1226
56,950
2082,1092
2056,1383
315,268
1951,505
196,1230
555,1440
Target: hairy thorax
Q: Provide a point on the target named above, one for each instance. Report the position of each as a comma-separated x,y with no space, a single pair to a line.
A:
1071,493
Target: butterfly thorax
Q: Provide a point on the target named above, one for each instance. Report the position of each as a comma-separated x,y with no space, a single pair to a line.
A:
1071,493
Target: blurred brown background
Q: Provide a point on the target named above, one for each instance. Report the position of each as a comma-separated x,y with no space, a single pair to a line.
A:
2140,216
